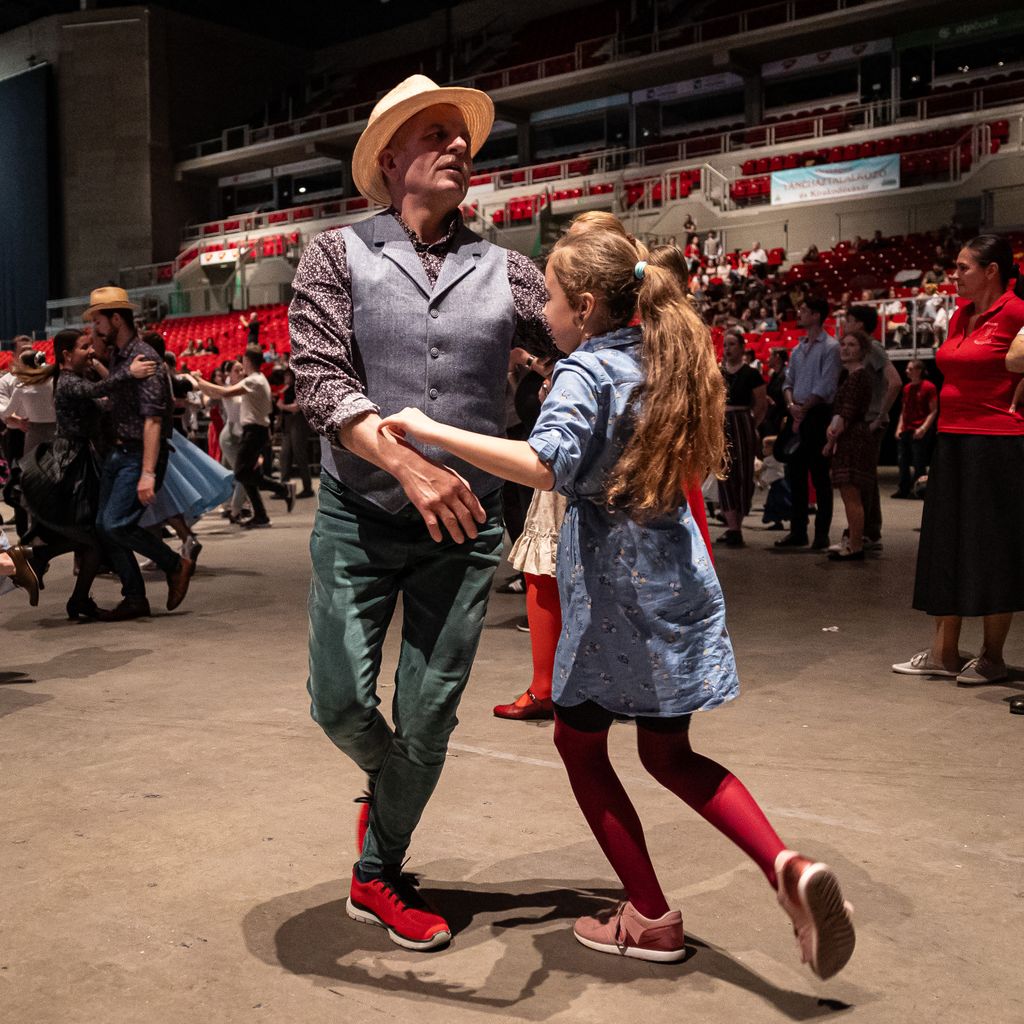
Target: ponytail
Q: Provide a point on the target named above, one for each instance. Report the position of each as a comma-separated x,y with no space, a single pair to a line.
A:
678,437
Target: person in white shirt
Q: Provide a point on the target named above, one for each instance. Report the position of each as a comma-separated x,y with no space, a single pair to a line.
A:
256,407
712,247
757,260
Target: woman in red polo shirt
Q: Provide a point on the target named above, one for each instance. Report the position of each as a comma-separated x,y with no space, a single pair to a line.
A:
971,558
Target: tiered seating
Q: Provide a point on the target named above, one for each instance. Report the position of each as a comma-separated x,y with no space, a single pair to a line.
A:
227,332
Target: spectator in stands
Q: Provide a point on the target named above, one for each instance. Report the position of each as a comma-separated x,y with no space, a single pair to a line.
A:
878,241
210,346
252,325
885,389
971,556
191,349
896,325
918,411
850,444
757,261
384,505
692,253
765,321
810,389
712,247
937,275
812,255
689,226
133,471
745,406
254,416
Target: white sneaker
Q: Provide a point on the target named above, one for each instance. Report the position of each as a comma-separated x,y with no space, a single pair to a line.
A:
843,547
921,665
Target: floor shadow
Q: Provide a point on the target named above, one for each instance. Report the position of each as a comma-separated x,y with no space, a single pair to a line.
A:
7,678
520,935
18,700
81,663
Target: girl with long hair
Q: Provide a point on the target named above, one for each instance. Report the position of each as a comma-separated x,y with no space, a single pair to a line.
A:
635,413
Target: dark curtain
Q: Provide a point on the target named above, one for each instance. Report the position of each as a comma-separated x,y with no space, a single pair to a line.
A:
24,202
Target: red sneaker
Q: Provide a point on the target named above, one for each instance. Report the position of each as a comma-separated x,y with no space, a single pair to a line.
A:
363,821
392,902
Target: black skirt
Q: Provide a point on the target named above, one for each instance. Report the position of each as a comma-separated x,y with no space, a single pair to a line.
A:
971,557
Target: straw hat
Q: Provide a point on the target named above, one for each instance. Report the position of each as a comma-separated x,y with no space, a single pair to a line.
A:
108,297
407,99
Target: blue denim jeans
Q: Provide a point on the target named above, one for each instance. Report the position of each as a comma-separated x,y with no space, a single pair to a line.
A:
363,559
118,521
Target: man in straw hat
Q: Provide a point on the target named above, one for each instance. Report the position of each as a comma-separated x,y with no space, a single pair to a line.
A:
133,471
408,308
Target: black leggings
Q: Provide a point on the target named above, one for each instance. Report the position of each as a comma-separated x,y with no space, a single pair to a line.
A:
591,717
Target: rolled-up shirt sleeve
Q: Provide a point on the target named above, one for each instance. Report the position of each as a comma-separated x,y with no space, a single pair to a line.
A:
327,387
568,420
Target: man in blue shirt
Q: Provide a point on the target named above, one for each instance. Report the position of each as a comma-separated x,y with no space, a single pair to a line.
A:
812,378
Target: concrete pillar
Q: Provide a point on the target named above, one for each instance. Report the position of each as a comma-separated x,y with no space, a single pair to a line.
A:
753,99
524,149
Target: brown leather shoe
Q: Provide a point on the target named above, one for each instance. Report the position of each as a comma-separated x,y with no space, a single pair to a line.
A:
539,707
129,608
24,575
177,583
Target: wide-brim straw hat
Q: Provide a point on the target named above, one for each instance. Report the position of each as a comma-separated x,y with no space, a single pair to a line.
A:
406,100
108,297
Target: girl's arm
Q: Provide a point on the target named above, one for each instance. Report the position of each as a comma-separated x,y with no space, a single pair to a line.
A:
510,460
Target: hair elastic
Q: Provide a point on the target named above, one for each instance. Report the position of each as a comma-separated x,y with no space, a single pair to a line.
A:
638,270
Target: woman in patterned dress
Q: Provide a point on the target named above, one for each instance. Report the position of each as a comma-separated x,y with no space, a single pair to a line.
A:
634,413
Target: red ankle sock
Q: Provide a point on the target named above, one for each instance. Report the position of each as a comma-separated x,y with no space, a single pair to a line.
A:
610,815
545,615
713,792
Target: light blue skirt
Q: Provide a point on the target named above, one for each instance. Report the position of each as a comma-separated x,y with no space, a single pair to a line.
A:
193,484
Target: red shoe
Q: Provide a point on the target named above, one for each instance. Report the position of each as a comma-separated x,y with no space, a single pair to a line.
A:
363,821
392,902
539,707
626,932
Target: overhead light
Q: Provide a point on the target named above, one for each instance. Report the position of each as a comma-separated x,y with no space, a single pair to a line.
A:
999,64
915,78
302,188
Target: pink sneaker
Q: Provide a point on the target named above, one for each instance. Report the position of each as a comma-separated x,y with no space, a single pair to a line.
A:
625,932
822,919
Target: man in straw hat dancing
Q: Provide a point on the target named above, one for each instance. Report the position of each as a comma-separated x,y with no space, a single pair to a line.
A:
134,469
408,308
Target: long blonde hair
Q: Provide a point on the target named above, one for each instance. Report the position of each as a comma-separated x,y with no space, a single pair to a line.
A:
678,436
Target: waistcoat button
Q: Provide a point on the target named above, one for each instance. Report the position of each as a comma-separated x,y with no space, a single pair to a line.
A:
435,352
434,313
433,392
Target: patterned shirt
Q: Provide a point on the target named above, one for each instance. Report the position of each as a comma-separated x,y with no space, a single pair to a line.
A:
327,384
132,405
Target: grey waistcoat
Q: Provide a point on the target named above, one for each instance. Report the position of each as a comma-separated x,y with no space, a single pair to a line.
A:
443,349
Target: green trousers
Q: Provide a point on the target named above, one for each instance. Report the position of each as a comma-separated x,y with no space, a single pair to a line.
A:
363,559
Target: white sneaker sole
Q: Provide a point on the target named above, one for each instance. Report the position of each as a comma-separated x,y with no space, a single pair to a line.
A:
658,956
364,916
904,669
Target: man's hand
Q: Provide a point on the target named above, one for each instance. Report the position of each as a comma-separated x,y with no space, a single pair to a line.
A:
797,413
922,432
440,495
141,367
17,422
146,488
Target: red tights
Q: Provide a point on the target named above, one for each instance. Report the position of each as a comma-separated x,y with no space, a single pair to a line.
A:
544,613
712,791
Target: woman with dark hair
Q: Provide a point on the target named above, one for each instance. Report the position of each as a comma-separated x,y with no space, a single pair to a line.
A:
746,402
60,479
971,558
850,444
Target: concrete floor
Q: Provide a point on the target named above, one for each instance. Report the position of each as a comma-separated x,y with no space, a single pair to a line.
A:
177,834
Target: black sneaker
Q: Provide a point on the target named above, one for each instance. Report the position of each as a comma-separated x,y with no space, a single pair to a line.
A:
256,524
289,498
793,540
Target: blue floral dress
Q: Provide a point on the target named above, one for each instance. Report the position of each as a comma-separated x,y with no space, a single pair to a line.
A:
643,616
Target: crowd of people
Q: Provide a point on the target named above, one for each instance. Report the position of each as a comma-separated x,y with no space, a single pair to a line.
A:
402,327
100,455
